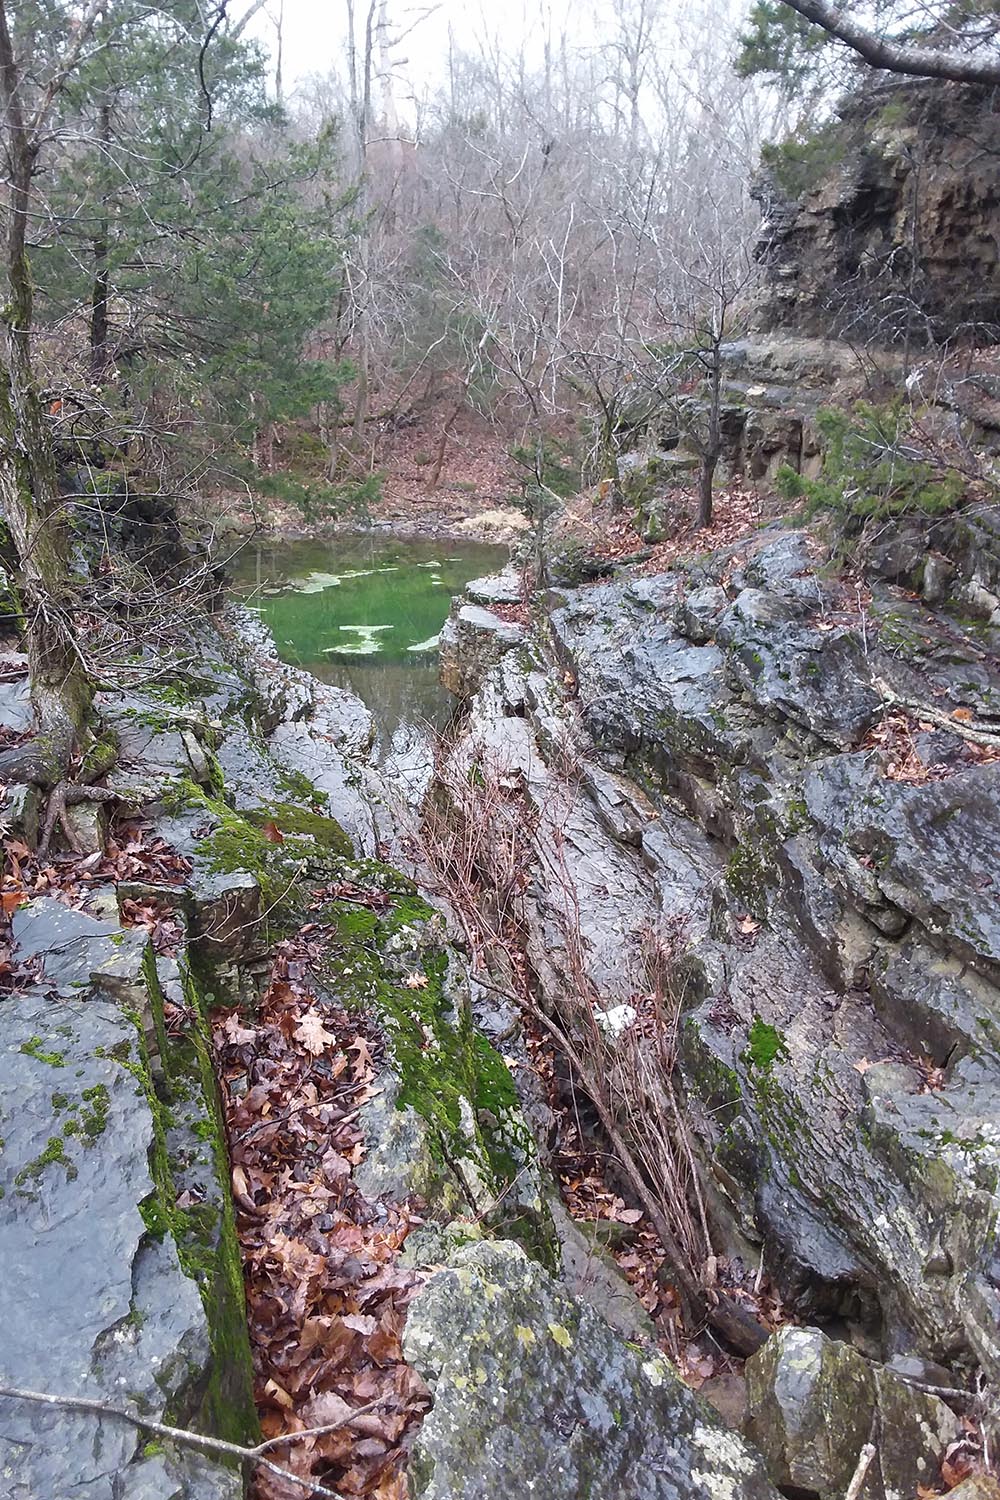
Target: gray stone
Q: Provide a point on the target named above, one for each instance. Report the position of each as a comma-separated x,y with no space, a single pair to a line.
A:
623,810
932,850
19,811
590,1273
472,641
822,917
97,1307
227,913
403,1159
699,612
813,1404
16,712
351,791
820,680
252,777
533,1393
156,738
89,822
784,568
78,950
284,693
499,588
178,1476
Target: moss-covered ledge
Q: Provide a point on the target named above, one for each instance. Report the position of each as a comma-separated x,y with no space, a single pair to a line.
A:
190,1165
459,1138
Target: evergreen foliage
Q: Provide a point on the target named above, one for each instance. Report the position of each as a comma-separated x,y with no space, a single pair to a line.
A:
190,246
872,467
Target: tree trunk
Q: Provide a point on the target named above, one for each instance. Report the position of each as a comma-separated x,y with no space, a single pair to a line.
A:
435,475
99,325
99,306
706,475
29,497
713,442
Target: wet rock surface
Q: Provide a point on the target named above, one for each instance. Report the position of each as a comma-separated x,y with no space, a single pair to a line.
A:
100,1304
832,904
814,1404
533,1391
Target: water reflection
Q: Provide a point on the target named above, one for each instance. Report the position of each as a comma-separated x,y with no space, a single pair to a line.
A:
364,613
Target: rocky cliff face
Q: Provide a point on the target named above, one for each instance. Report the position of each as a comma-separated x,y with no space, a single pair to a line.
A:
895,237
116,1218
781,776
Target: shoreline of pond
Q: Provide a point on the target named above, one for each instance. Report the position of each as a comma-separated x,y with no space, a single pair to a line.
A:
362,610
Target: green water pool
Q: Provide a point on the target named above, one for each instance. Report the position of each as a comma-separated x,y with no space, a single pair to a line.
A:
364,613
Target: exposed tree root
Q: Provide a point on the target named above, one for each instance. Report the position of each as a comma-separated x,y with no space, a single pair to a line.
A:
69,794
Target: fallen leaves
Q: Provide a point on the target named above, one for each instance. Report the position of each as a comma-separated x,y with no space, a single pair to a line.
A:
166,931
906,759
313,1034
134,853
326,1296
612,534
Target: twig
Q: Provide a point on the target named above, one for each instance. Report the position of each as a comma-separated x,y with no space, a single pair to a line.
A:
199,1440
933,715
858,1478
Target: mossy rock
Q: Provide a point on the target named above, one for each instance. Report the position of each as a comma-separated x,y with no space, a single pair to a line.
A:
459,1137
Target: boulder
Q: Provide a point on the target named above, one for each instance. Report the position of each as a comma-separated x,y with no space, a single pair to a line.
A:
813,1404
498,588
699,612
227,914
107,1301
533,1393
819,680
77,950
931,850
16,712
20,811
472,640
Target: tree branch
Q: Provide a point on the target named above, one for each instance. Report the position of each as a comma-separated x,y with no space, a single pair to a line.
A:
199,1440
896,57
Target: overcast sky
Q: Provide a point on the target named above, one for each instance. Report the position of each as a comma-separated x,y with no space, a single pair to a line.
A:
315,32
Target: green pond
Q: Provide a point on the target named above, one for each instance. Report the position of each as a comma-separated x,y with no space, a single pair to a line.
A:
364,613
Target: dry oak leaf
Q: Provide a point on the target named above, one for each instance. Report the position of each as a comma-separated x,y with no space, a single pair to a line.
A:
416,981
313,1034
234,1031
364,1056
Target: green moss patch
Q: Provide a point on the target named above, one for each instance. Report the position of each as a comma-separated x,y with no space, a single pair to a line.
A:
765,1046
313,849
185,1156
397,965
35,1047
288,818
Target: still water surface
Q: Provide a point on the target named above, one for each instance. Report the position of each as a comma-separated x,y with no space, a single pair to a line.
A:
364,613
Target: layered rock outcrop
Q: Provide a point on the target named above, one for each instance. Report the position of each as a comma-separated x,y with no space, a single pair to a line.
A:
739,755
894,237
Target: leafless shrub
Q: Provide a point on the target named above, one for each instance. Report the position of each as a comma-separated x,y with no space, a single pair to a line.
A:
480,844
